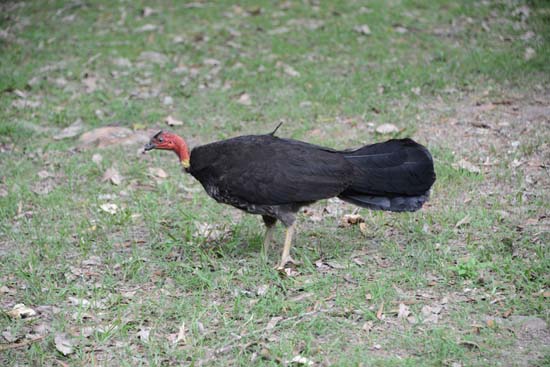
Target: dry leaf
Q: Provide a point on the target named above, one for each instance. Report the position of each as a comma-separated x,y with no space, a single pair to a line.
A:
464,221
302,360
146,28
10,338
529,53
43,187
122,62
262,290
90,82
350,219
273,322
20,311
387,129
170,121
380,312
403,312
157,172
112,174
153,57
109,208
465,165
147,11
367,326
64,344
362,29
401,30
244,99
97,158
289,70
44,174
71,131
143,334
181,334
363,228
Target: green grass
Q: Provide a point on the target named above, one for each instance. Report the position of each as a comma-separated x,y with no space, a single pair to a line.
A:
147,266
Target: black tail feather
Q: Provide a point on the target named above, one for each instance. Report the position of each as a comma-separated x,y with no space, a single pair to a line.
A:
395,175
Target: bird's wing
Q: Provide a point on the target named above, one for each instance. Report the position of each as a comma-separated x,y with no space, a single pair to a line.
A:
270,171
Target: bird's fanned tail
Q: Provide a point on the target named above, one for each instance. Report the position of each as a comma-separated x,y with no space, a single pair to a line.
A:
395,175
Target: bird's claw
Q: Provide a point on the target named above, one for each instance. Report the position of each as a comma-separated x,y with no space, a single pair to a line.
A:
286,261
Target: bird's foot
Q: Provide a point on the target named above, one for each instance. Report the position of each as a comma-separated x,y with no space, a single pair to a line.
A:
287,262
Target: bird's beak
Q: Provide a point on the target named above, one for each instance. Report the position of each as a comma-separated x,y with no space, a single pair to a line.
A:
149,146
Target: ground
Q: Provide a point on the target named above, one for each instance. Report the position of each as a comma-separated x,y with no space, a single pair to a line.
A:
122,259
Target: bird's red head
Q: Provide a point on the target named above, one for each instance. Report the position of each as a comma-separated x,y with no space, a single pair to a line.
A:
169,141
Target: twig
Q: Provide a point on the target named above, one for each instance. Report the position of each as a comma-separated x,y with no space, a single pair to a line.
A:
226,348
20,344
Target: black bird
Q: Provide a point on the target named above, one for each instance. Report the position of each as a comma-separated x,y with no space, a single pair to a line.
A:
275,177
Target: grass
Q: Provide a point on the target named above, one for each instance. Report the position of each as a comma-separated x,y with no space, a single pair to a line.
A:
434,69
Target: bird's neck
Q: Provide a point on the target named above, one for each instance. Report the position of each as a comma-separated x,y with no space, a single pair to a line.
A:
182,151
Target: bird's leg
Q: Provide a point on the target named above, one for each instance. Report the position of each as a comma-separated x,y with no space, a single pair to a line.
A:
269,230
285,258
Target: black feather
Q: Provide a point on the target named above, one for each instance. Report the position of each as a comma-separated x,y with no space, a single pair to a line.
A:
263,174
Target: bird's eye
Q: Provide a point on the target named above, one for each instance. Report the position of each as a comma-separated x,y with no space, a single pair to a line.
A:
161,139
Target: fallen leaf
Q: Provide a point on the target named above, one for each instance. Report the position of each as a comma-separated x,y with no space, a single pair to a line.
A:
289,70
387,129
367,326
467,166
122,62
44,174
112,174
97,158
401,30
273,322
143,334
168,101
170,121
147,11
181,334
43,187
469,344
20,311
64,344
109,208
302,360
508,312
350,219
362,29
10,338
157,172
529,53
146,28
71,131
363,228
153,57
25,103
464,221
262,290
403,312
90,83
244,99
3,192
380,312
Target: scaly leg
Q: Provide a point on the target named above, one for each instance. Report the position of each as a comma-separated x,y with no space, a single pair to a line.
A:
285,258
268,239
269,230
